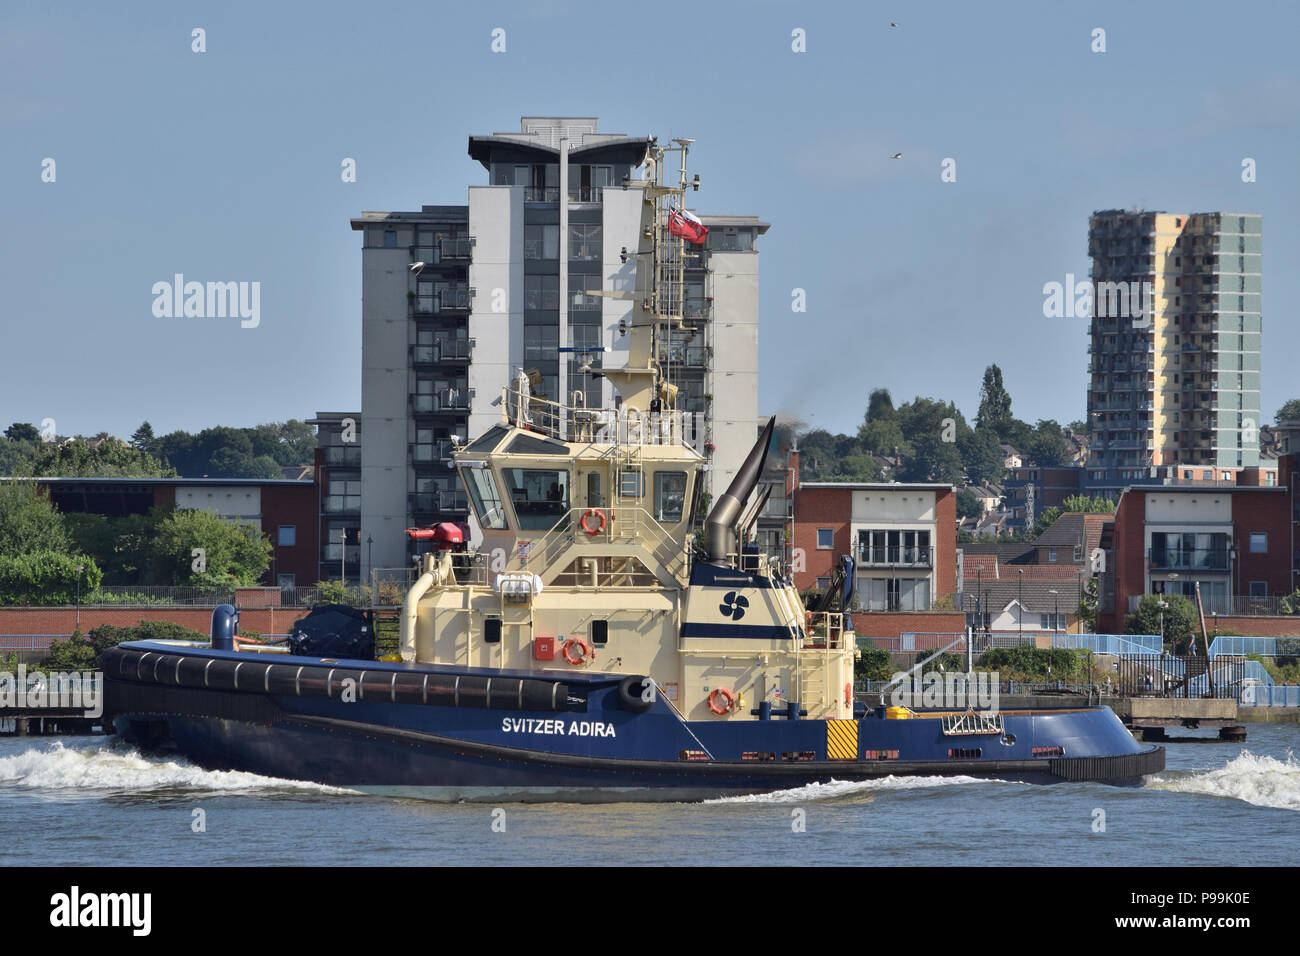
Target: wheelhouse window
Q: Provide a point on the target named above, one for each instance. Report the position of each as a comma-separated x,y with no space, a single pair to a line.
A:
487,500
670,495
540,496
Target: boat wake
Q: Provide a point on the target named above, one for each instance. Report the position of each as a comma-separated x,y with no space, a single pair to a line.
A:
100,767
1260,780
854,788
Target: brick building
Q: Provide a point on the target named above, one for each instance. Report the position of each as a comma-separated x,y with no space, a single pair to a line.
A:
902,536
286,511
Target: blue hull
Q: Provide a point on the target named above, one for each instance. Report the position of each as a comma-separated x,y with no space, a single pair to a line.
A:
462,734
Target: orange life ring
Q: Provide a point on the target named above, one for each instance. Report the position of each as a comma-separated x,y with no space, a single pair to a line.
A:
726,708
848,695
583,523
583,650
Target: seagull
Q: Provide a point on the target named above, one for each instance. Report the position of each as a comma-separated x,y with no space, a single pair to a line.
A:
897,156
892,23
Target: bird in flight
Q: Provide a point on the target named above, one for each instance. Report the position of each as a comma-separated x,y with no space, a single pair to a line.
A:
897,156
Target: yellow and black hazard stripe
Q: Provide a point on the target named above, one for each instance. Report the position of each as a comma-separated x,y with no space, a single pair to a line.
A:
841,740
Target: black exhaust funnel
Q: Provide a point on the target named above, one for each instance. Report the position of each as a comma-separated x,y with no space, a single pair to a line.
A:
720,525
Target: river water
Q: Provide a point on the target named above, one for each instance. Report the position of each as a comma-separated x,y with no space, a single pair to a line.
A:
95,801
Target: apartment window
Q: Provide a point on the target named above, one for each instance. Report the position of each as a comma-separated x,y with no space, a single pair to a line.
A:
584,242
823,583
1258,589
286,535
541,292
579,300
541,242
287,582
541,342
390,239
1051,555
825,539
1259,542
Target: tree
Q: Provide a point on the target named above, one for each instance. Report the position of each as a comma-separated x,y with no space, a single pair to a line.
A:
995,402
83,652
1047,447
22,431
1180,620
933,459
982,455
109,458
143,438
121,546
880,406
882,436
231,554
874,664
1289,412
968,506
46,577
1091,505
28,521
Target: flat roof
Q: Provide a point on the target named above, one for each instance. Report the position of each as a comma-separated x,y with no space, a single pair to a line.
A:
878,485
168,481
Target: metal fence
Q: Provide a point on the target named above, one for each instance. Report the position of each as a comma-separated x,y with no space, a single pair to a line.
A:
1117,644
1268,695
1167,676
111,595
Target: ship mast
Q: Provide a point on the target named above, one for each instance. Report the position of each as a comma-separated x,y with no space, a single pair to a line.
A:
659,300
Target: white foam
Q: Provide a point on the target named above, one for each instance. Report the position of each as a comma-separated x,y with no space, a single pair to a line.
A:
1260,780
101,766
849,788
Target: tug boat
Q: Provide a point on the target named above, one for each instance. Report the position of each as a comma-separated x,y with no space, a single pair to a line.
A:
600,642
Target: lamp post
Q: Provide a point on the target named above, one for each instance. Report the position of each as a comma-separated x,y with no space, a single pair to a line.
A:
1162,605
979,591
1056,609
1020,601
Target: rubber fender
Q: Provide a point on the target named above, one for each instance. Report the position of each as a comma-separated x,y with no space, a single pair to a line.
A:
630,691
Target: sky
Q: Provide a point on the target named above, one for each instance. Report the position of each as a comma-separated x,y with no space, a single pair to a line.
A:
225,165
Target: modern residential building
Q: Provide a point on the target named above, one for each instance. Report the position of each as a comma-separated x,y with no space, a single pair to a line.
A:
1174,345
1236,543
901,536
338,466
457,300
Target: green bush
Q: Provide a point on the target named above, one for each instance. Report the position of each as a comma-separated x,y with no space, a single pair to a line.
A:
1036,663
46,577
82,652
951,662
873,665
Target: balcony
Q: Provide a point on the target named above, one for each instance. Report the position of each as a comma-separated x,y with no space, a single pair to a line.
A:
428,453
453,400
449,350
586,193
1188,559
456,250
541,194
697,308
345,457
341,504
898,557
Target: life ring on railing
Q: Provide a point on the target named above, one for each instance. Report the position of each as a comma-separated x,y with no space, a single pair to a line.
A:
727,696
584,651
848,695
600,515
